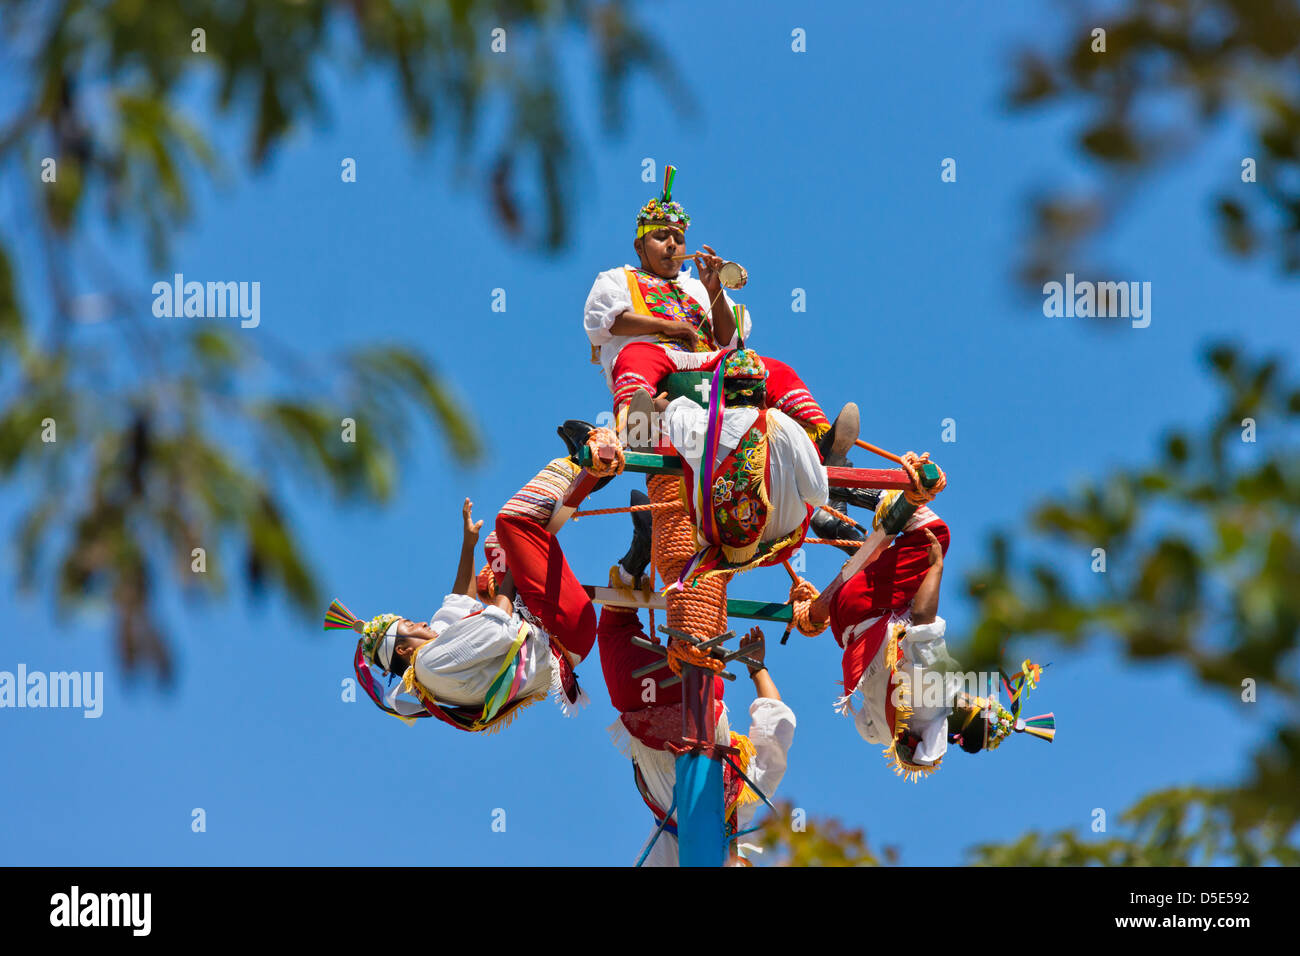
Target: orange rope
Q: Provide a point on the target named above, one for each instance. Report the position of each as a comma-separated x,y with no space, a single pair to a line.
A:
486,581
604,436
841,515
802,596
618,511
848,542
910,461
679,653
700,608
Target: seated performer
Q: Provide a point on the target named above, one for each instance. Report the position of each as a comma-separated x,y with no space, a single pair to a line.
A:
753,507
647,321
482,657
886,620
644,729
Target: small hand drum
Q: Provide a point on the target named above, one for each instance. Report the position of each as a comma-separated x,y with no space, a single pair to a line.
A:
732,275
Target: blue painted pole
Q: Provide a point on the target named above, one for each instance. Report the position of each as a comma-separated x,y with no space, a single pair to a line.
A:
700,837
701,840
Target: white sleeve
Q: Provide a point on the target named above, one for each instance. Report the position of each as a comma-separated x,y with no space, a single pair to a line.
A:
684,423
607,300
771,731
925,648
924,644
454,607
809,472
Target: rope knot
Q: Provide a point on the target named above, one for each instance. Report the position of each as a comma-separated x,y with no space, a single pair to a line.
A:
597,438
918,494
802,596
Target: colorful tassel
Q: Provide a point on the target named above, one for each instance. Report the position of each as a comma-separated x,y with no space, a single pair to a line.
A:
669,173
339,618
1043,727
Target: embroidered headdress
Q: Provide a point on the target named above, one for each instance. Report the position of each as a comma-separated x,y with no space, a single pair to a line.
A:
662,210
742,372
378,635
1000,723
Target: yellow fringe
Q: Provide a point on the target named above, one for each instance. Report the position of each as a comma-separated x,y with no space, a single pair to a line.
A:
911,772
501,721
616,582
743,759
816,432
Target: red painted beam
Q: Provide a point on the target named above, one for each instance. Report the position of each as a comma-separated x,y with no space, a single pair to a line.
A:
886,478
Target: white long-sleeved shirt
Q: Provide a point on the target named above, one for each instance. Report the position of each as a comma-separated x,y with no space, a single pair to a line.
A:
771,731
922,649
795,471
609,298
459,665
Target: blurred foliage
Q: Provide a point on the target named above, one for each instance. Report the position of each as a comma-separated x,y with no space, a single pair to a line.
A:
1202,565
171,440
1202,552
1173,73
818,842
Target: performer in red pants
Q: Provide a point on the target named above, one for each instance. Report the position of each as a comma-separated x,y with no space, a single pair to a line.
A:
649,320
915,700
475,664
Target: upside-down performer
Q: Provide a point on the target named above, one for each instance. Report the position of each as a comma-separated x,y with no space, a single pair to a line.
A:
913,702
644,730
751,475
484,656
650,320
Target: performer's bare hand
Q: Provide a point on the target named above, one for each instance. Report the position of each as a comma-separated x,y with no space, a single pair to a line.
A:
754,641
682,330
661,401
933,549
472,527
709,266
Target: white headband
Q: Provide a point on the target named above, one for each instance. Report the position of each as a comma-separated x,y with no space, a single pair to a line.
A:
384,652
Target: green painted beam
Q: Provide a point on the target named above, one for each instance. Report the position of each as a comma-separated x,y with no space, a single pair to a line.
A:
751,610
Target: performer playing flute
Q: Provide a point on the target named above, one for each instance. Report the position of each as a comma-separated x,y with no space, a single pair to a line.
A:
649,320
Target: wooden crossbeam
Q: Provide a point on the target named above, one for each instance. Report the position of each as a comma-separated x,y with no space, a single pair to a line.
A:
584,482
749,610
883,478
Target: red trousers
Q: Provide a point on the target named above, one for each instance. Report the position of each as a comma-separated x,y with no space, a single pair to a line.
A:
546,583
887,584
619,657
643,365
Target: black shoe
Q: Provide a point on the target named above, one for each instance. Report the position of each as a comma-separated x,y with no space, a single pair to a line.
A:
574,434
638,552
865,498
835,444
832,528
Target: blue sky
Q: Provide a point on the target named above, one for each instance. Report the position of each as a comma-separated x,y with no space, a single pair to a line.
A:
818,171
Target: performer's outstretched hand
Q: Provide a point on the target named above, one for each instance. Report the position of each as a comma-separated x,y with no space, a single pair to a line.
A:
753,646
934,550
472,527
755,649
